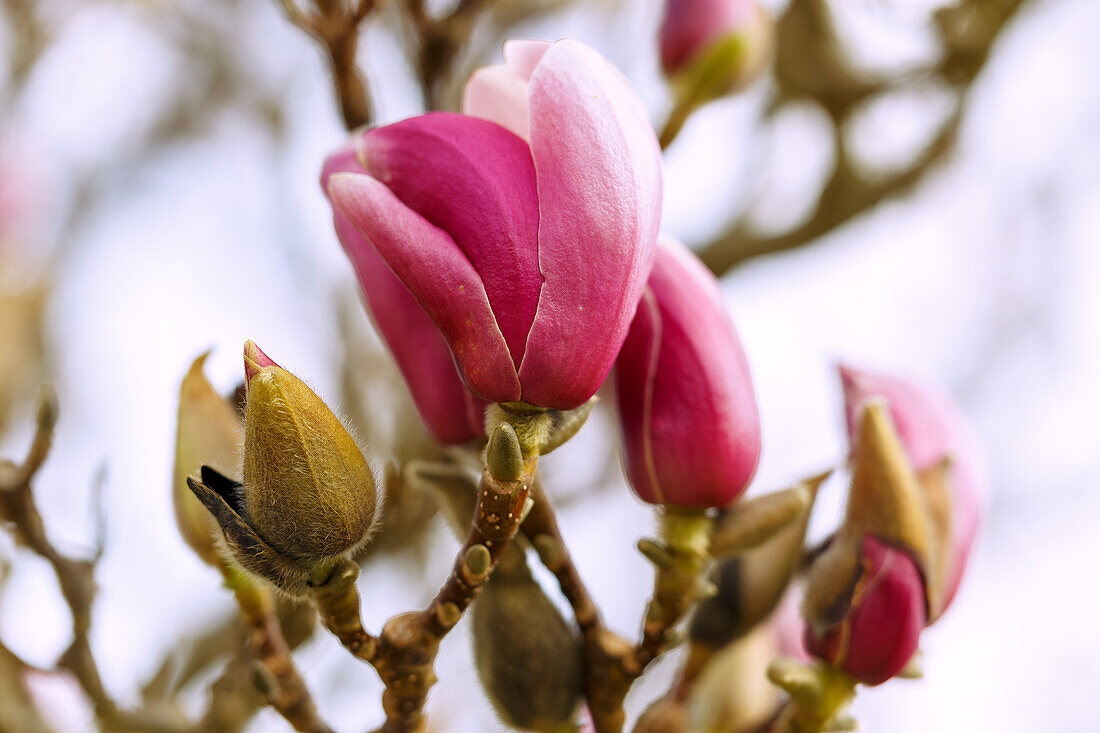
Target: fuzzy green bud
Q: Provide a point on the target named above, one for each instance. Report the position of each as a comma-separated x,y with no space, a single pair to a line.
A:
308,490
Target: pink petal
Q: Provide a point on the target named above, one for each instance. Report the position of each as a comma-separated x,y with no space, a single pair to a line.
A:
700,421
439,276
599,185
497,94
634,379
931,428
522,56
474,180
451,413
254,361
887,622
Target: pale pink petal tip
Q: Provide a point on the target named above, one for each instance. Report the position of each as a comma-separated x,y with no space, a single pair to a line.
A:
254,360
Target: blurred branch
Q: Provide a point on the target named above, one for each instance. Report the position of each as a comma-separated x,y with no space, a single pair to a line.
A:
76,579
810,65
335,25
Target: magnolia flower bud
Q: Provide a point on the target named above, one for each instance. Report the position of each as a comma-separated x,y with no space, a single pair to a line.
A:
209,431
941,446
308,496
880,627
528,253
688,413
528,658
710,48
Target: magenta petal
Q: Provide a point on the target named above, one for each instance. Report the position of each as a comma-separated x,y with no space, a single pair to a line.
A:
683,382
497,94
450,412
887,621
931,428
438,275
598,167
474,180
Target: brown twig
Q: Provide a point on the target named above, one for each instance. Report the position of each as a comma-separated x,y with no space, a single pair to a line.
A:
810,65
274,673
75,578
404,653
335,25
612,665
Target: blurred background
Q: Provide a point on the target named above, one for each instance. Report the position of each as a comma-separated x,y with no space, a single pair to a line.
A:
907,186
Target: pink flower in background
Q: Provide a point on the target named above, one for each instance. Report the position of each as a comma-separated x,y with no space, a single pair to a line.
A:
23,192
529,257
688,412
931,428
881,629
689,27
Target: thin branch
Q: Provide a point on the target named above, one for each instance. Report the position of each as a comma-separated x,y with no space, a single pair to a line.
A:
336,27
810,65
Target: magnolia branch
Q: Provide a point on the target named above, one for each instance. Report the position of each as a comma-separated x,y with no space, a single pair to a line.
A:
810,65
404,653
336,27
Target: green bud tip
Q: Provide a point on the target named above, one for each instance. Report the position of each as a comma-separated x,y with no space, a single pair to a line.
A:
503,455
478,559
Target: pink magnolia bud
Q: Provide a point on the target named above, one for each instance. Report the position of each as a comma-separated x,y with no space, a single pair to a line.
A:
931,428
689,27
879,633
451,412
529,257
688,412
710,48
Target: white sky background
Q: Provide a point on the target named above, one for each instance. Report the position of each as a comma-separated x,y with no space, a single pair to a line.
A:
986,280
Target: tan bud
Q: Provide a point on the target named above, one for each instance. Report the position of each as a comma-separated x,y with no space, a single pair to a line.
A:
733,695
208,432
886,498
528,658
752,582
308,491
564,425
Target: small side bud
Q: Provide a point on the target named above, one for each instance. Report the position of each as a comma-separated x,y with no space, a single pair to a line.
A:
503,455
478,560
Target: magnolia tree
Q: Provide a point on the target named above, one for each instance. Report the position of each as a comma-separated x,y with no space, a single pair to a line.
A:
512,260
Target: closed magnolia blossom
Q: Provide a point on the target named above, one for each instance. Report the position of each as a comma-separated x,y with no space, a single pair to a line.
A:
880,631
690,426
933,433
527,251
451,412
713,46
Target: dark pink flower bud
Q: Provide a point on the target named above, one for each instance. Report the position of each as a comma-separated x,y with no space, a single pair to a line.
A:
932,429
881,626
529,257
690,425
451,412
